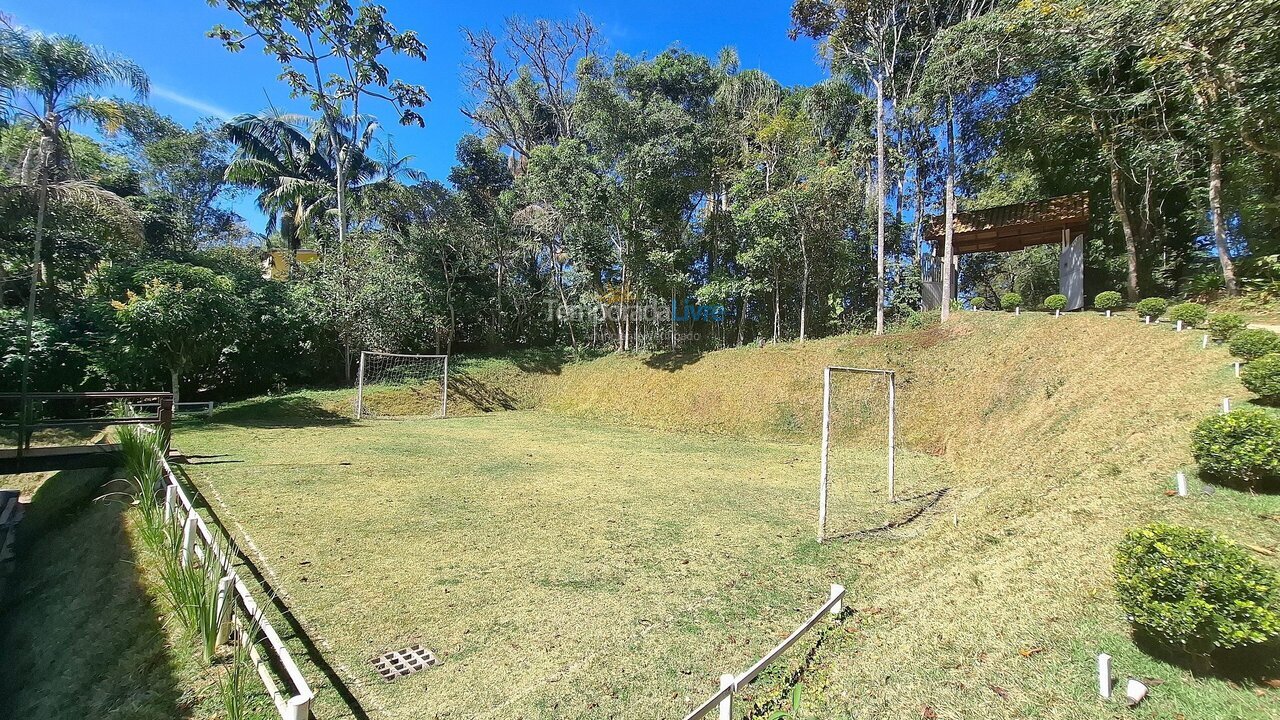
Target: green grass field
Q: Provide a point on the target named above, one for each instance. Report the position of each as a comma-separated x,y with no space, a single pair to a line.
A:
558,567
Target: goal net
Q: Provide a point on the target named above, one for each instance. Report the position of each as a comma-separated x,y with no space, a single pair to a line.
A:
391,385
862,488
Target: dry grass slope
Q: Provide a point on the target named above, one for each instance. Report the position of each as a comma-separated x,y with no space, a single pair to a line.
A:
1063,433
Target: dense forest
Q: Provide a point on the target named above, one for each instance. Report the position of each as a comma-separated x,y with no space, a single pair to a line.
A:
615,202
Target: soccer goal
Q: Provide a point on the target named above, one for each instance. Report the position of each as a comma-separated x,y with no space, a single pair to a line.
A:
392,384
858,424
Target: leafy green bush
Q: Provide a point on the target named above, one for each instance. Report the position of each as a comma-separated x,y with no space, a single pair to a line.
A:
1010,300
1262,377
1055,302
1191,314
1151,307
1195,590
1108,300
1253,343
1224,326
978,303
1239,447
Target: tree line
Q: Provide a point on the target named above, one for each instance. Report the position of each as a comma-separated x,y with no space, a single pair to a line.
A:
603,195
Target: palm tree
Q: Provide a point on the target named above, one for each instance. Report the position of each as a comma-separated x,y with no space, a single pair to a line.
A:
290,160
48,78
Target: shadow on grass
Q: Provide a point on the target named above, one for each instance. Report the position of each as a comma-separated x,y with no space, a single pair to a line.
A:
1253,664
286,411
79,635
484,397
673,361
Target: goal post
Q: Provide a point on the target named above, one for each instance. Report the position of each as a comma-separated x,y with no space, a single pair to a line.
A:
823,483
387,375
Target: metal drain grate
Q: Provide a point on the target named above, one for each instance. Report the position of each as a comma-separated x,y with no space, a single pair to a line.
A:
398,663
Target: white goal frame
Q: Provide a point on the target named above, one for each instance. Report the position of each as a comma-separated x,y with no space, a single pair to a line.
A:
444,379
826,434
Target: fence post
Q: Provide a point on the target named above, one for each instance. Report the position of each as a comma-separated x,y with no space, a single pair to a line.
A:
170,497
225,602
188,538
726,705
1104,676
836,591
298,708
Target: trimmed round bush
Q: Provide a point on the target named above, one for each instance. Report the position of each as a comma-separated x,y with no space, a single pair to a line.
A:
978,303
1195,590
1108,300
1010,300
1253,343
1056,302
1191,314
1262,377
1224,326
1151,307
1241,447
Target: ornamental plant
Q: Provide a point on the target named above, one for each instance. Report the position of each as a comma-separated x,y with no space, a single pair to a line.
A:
1010,301
1151,307
1241,447
1191,314
1262,377
1224,326
1108,300
1253,343
1194,590
1055,302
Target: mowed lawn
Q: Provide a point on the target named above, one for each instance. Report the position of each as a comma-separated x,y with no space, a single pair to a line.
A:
558,567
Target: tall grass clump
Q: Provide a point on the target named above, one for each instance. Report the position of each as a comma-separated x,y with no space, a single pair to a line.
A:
141,453
234,679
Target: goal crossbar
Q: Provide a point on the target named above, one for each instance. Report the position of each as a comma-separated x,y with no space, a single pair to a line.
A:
826,434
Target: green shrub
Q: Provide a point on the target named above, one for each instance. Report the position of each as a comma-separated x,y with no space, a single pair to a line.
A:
1055,302
1191,314
1108,300
1253,343
1224,326
1010,300
1195,590
1151,307
1262,377
978,303
1239,447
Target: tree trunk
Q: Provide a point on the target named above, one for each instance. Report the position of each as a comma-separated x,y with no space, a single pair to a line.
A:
1119,199
950,213
777,308
34,287
173,383
1219,221
880,209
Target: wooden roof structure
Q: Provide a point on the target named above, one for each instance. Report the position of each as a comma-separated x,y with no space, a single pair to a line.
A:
1013,227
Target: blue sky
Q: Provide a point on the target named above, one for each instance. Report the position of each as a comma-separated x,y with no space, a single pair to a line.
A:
194,76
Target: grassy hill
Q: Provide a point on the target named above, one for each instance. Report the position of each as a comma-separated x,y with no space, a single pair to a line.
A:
1063,433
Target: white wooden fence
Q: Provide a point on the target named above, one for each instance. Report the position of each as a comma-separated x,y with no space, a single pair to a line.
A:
730,684
293,702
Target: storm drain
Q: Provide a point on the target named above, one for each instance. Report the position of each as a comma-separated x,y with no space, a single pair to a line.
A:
398,663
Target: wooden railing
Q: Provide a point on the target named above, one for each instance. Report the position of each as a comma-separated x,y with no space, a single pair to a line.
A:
29,420
293,701
730,684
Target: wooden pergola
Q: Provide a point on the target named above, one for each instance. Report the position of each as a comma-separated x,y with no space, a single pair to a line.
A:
1014,227
1062,220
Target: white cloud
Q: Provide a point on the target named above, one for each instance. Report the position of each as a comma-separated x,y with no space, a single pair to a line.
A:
198,105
